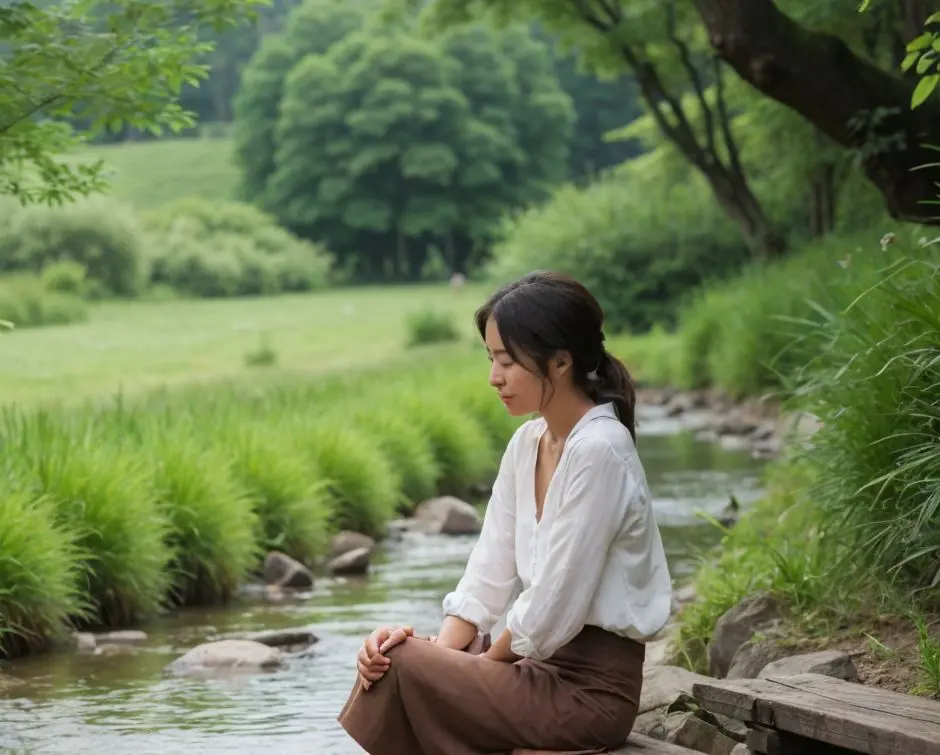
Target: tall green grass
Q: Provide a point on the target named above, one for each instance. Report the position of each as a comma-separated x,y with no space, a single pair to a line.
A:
113,513
752,333
876,387
851,527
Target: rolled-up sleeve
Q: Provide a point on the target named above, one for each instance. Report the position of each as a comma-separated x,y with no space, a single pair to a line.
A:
489,580
596,489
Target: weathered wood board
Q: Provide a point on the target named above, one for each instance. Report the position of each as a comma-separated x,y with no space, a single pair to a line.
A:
844,714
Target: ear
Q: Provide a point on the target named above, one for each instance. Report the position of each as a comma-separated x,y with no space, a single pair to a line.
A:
562,362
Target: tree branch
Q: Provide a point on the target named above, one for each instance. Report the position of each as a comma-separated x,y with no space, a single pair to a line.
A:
734,155
51,99
686,58
818,76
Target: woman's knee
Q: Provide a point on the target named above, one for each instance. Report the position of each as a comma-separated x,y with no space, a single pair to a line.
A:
407,657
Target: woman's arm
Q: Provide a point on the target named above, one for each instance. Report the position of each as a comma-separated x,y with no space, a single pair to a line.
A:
456,633
488,582
597,488
501,650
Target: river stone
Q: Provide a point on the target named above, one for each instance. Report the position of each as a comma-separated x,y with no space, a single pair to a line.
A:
735,424
753,656
678,405
663,684
352,562
345,541
84,641
736,626
242,655
288,640
9,682
125,636
657,651
447,515
283,571
832,663
688,730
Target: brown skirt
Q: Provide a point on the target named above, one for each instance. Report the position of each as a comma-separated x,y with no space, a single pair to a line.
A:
438,701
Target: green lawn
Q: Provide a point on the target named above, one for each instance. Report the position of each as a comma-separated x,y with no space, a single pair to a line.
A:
135,346
148,174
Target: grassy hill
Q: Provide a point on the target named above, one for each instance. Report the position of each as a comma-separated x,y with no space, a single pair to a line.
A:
147,174
135,346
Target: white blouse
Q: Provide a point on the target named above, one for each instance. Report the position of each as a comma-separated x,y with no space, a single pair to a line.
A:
595,558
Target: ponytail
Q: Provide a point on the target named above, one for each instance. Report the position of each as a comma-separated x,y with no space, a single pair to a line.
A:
611,382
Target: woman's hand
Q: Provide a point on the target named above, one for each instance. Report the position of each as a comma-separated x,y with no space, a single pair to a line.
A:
371,661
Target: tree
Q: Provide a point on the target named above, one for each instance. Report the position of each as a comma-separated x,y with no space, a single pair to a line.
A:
851,100
387,144
311,29
106,64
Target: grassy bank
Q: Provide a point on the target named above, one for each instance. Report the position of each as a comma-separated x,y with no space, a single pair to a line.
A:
755,332
113,513
850,532
150,173
135,346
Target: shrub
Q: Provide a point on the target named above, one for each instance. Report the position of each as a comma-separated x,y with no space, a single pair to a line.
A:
363,487
291,503
99,234
27,303
875,389
65,277
212,524
639,247
408,450
430,326
748,334
40,573
102,493
461,446
210,249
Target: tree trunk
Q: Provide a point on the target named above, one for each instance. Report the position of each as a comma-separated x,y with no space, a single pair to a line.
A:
913,17
850,100
735,197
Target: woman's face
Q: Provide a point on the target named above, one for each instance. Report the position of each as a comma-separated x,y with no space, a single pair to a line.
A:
520,389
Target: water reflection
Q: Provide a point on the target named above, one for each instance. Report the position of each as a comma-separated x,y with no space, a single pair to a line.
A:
124,704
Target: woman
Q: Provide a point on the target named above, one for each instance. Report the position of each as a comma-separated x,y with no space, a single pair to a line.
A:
570,518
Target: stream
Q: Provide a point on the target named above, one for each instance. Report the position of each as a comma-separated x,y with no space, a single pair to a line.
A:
123,703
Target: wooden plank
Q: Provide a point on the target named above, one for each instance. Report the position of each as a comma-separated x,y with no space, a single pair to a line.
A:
861,696
735,698
883,723
845,725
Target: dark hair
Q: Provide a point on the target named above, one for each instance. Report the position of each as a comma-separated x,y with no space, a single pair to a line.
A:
543,313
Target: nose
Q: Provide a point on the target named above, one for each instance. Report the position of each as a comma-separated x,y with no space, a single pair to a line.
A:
496,378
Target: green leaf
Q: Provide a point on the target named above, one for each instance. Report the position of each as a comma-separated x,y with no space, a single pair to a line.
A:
909,60
921,42
924,89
